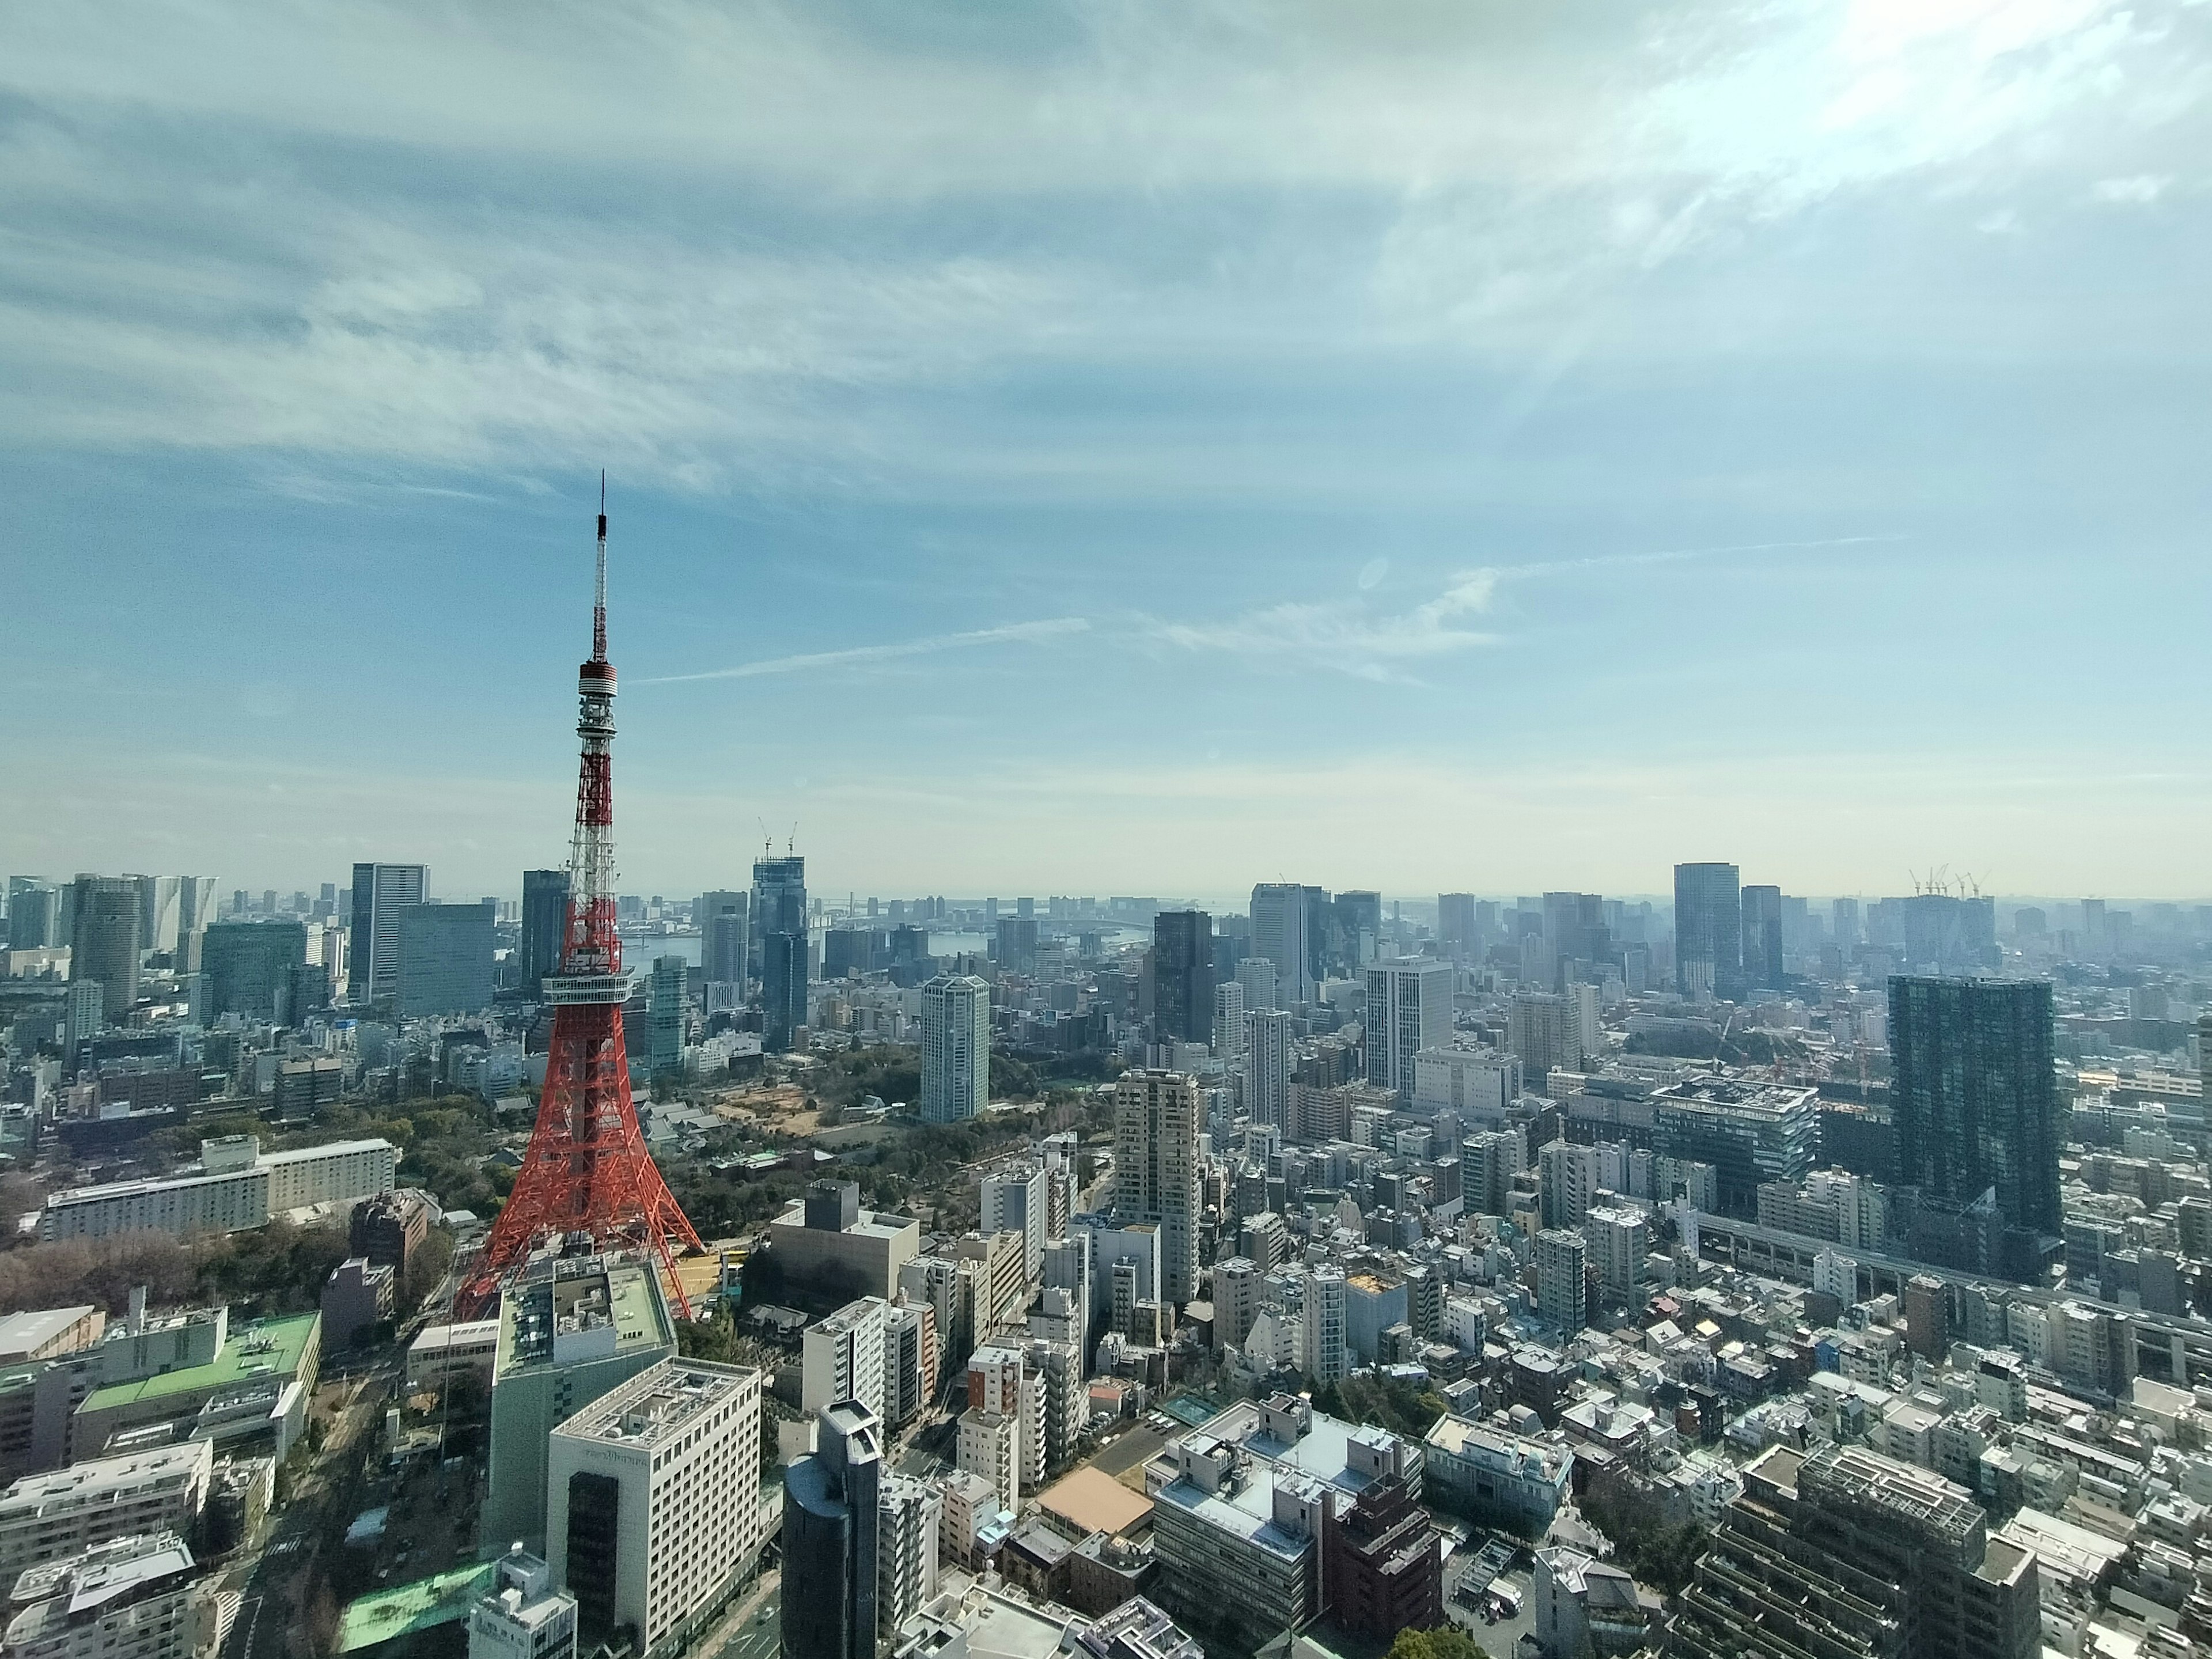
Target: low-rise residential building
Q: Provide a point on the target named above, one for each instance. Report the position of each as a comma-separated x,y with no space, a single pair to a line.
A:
1495,1476
51,1516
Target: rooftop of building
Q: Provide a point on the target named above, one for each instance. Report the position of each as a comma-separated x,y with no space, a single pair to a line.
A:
1534,1459
563,1298
1737,1096
25,1333
268,1348
107,1576
419,1605
1090,1500
115,1189
1323,1450
657,1404
432,1338
872,1224
99,1478
1244,1509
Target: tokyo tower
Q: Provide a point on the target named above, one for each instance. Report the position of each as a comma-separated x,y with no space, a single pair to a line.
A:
586,1173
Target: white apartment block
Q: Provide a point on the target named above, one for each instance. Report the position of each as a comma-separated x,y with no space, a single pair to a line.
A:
909,1514
1409,1008
52,1516
523,1617
842,1358
1015,1201
1323,1352
999,1380
955,1048
130,1598
990,1449
661,1475
238,1187
1482,1082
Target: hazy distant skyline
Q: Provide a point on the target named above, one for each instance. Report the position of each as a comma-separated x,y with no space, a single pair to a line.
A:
1135,449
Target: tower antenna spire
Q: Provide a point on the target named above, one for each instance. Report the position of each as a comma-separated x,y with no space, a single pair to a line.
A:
599,584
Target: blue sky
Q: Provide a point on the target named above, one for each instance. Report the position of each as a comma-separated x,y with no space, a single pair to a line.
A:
1113,447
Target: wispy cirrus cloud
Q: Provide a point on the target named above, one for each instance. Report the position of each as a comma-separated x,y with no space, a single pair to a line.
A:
1047,628
1353,638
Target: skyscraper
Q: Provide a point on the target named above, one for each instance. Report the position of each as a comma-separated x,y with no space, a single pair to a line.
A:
445,956
105,940
1183,976
381,892
779,905
1256,974
1562,1294
1456,926
157,913
1409,1008
783,989
1278,934
831,1529
1708,930
1322,1353
1972,1094
669,975
955,1048
1157,1119
194,910
1269,1063
545,926
1540,1031
722,916
1762,938
1229,1021
247,966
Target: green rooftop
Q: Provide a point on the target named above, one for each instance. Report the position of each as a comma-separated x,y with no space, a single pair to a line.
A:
421,1605
266,1350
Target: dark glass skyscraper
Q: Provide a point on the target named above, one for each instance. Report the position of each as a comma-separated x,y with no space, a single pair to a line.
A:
248,968
1183,976
1762,938
1972,1096
544,923
830,1539
778,946
1708,928
105,940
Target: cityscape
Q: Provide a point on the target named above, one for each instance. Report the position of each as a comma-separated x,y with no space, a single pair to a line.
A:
1684,508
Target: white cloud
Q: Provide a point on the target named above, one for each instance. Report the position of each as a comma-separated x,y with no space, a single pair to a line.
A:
1351,638
2141,189
1050,629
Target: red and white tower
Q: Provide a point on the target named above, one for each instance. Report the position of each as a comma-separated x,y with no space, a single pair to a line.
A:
587,1172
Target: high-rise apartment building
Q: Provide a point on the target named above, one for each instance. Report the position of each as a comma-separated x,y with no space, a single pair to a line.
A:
1562,1296
381,893
1228,1033
955,1048
1842,1550
1708,930
1255,977
1014,1200
446,959
1281,912
1183,976
910,1515
722,916
545,926
842,1356
1270,1062
1324,1350
105,940
1540,1032
1157,1120
653,1513
1972,1094
1409,1008
1762,938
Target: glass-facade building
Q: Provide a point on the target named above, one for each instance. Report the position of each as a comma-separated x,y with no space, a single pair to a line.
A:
1972,1094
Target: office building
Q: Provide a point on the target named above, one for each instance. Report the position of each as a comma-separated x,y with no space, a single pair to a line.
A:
570,1329
1183,976
1708,930
444,958
1842,1550
832,1534
523,1617
105,941
779,905
669,1012
34,917
1229,1029
1280,911
195,911
1409,1008
1540,1032
1494,1476
841,1358
1270,1062
157,913
1324,1345
382,892
1476,1083
62,1513
544,927
1015,945
1456,927
1157,1168
783,991
239,1187
1255,977
653,1513
247,969
955,1048
84,1015
1236,1301
1751,1132
131,1598
721,917
1762,952
1562,1296
1972,1094
830,1246
1013,1200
